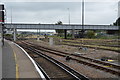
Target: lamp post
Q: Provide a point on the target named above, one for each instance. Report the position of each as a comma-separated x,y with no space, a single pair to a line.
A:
68,15
73,30
11,17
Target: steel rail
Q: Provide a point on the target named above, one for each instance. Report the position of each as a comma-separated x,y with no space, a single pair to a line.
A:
71,71
87,58
42,70
93,44
83,62
92,47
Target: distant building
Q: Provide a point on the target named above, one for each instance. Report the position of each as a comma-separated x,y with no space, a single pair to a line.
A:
9,32
119,9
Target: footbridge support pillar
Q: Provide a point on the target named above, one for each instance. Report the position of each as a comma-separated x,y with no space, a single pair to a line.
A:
14,34
65,33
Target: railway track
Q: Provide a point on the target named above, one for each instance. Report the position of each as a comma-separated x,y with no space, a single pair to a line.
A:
98,44
114,69
55,70
116,49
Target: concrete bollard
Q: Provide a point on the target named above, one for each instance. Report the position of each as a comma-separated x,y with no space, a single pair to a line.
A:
38,38
50,41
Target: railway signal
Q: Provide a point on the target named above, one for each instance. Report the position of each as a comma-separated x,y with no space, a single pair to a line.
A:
1,16
1,13
1,36
2,23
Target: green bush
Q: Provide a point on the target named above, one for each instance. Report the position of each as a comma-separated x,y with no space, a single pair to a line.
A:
8,36
90,34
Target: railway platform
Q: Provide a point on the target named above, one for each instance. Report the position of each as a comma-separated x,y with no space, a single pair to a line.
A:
16,64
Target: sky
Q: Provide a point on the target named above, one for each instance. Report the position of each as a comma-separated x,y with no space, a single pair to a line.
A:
97,12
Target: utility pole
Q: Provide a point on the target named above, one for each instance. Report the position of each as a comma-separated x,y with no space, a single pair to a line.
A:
82,19
82,35
119,9
118,14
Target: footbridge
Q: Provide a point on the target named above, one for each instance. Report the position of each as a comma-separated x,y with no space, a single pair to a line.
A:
64,26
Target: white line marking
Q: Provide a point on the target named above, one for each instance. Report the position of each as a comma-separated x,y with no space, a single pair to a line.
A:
40,73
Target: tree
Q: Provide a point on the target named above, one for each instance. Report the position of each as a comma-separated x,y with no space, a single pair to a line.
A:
90,34
8,36
59,23
58,30
117,23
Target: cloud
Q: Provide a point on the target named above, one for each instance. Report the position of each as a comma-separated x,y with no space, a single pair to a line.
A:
51,12
58,0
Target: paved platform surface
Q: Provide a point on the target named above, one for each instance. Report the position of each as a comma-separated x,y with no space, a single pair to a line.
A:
16,64
8,62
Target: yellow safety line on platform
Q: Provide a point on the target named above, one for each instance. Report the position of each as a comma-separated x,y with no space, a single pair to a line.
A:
17,70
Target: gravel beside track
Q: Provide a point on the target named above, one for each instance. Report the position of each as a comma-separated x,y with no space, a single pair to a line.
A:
95,77
80,58
54,72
